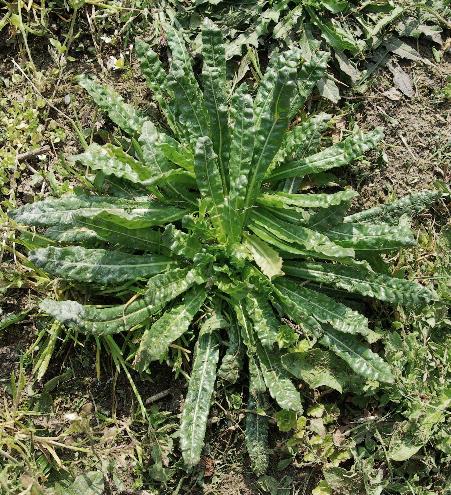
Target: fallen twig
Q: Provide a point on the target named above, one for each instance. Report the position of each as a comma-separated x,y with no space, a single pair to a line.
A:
29,154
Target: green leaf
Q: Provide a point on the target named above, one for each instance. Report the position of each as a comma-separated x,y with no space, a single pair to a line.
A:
209,180
268,260
325,218
207,172
90,483
283,199
300,141
359,279
99,266
197,402
233,358
241,150
410,436
317,368
143,239
160,290
327,88
176,153
69,209
65,234
288,22
256,434
157,80
181,243
121,113
336,36
151,215
191,113
112,160
296,216
297,313
279,385
159,151
367,237
263,319
361,359
275,241
271,122
153,156
392,212
335,156
326,310
172,325
214,78
336,6
247,334
311,240
310,72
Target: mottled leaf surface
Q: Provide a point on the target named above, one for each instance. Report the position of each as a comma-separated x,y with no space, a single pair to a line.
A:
98,266
357,278
172,325
197,403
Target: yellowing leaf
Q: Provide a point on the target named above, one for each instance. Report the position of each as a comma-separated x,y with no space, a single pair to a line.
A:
267,259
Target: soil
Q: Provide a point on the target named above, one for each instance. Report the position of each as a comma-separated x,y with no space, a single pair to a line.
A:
417,132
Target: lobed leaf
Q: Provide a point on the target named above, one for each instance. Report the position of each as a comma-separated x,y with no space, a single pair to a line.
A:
392,212
99,266
317,367
367,237
67,210
172,325
279,385
161,289
181,243
311,240
110,102
336,36
326,310
197,402
335,156
214,78
361,359
263,319
191,113
359,279
410,436
268,260
310,72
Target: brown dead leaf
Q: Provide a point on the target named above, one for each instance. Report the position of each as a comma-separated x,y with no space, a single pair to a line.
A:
208,464
402,80
392,94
